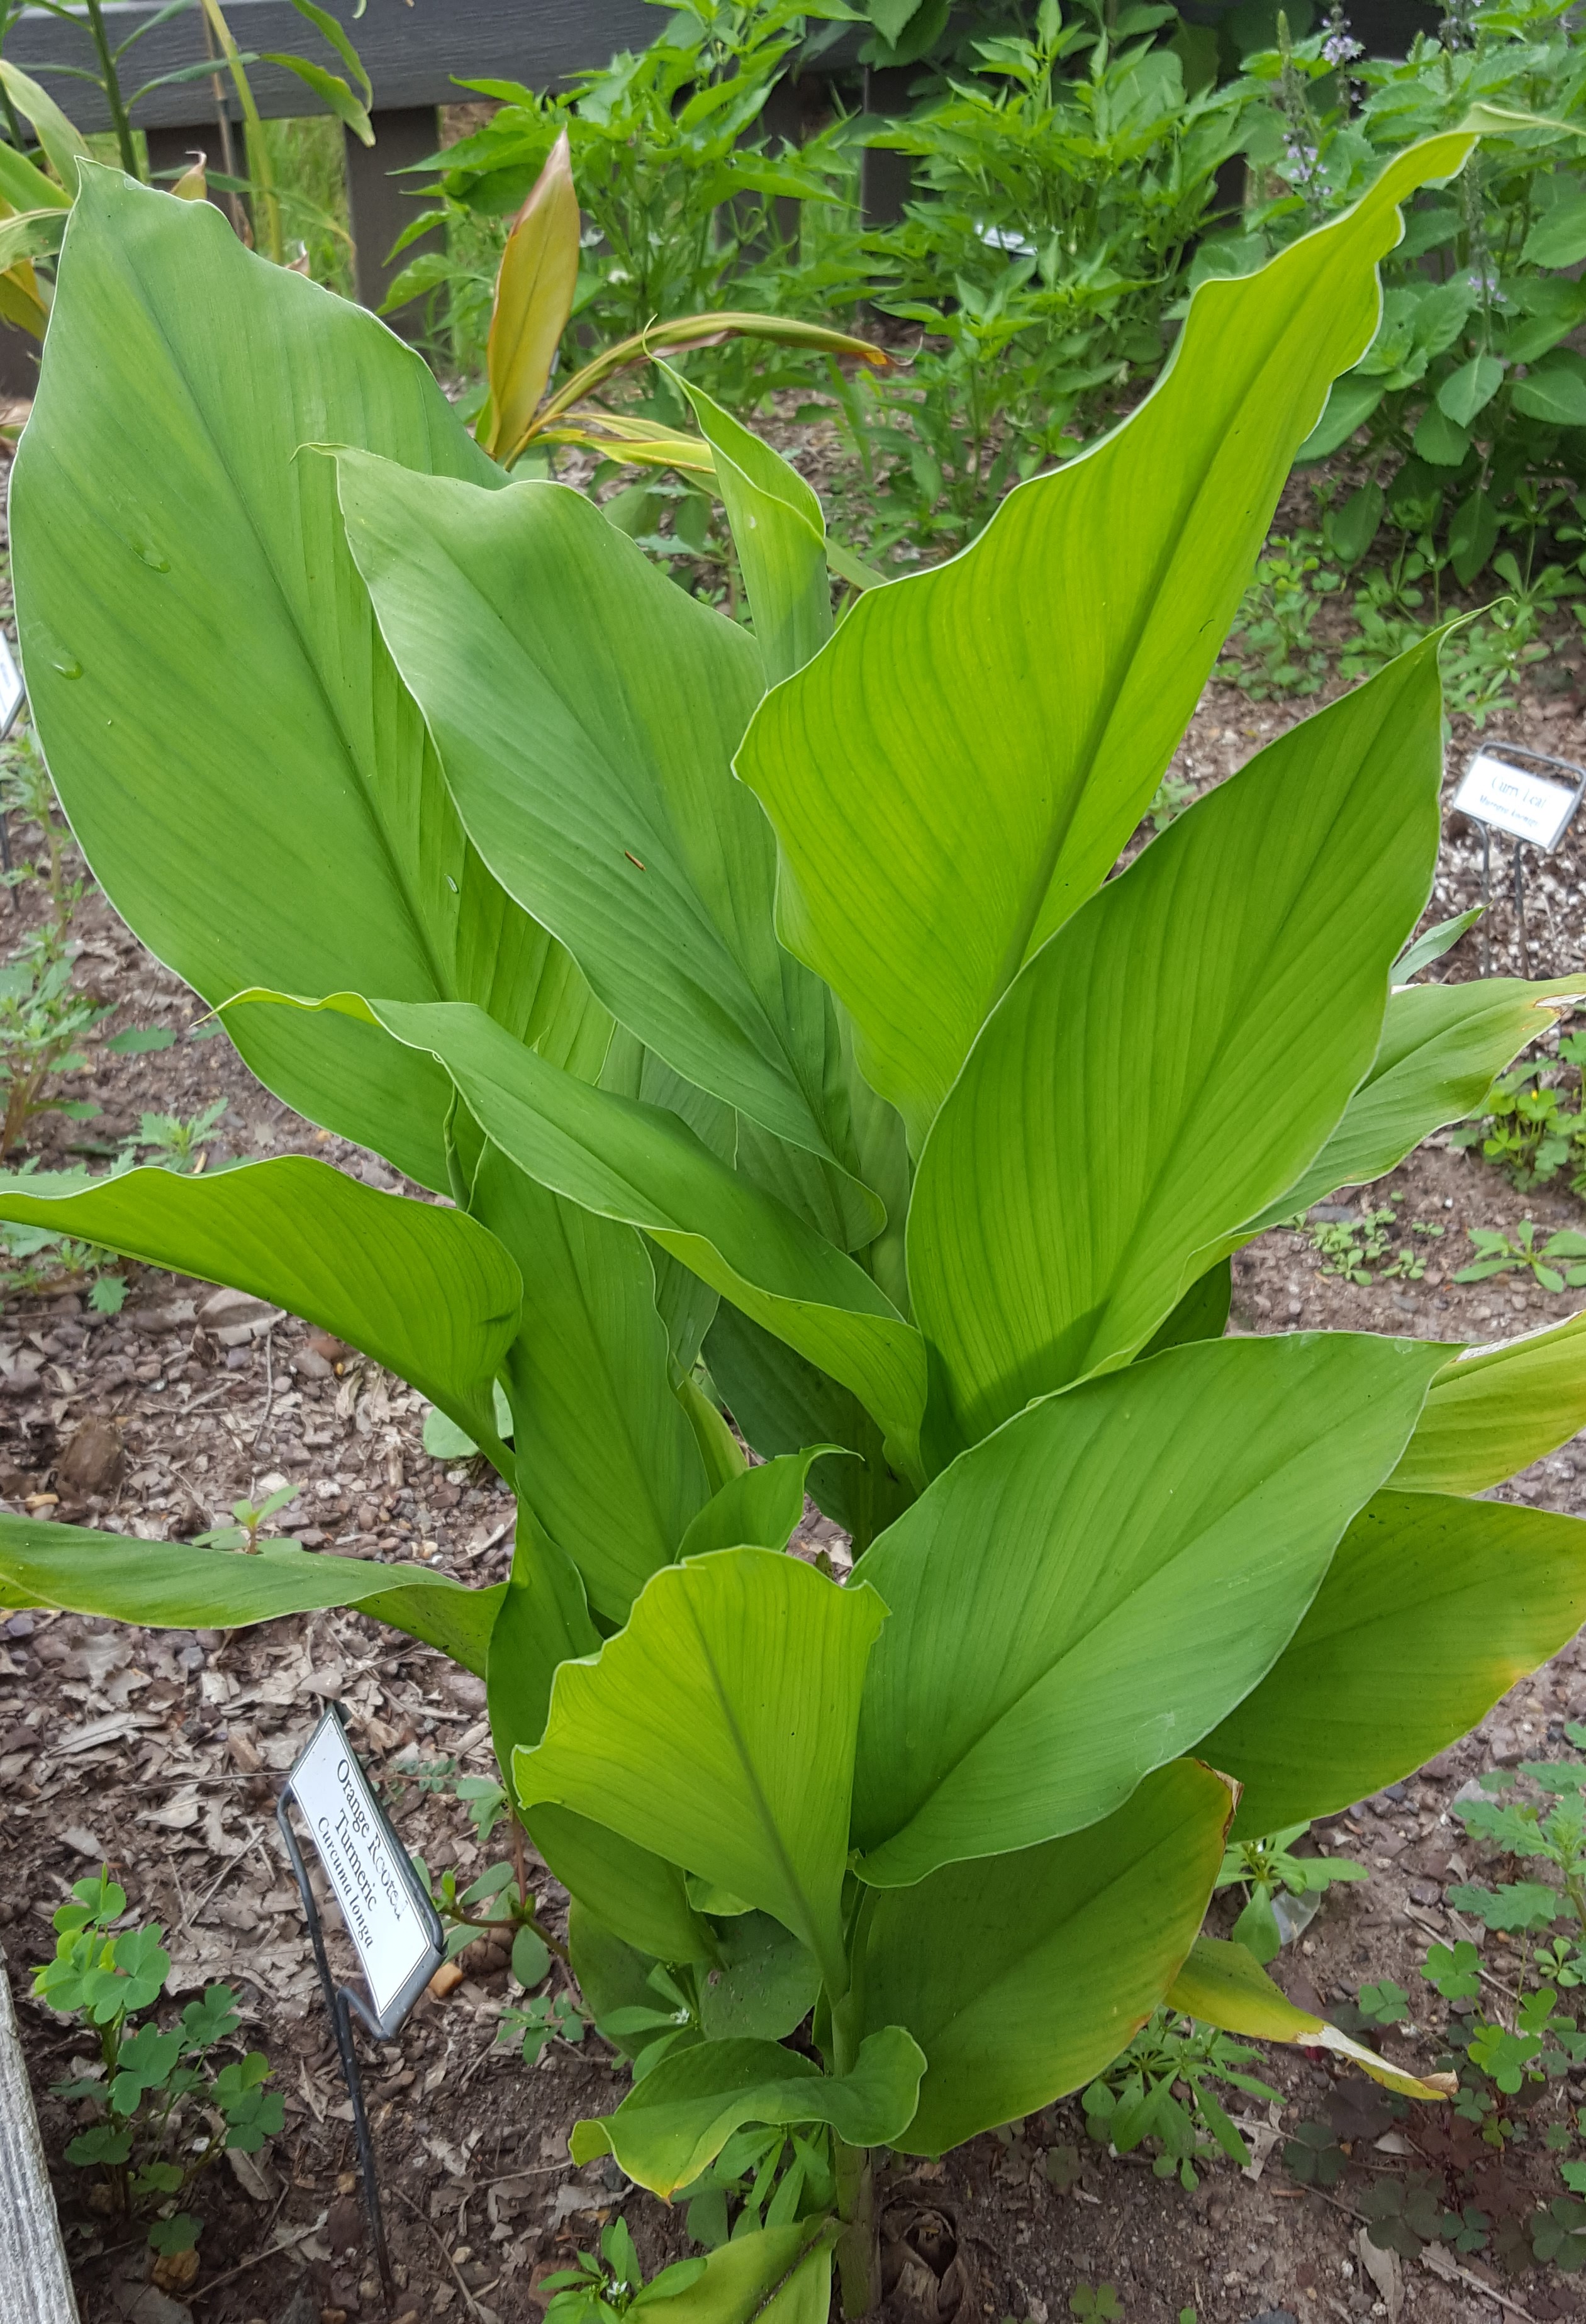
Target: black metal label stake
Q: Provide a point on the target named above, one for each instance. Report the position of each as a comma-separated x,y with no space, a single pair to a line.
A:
1533,810
394,1927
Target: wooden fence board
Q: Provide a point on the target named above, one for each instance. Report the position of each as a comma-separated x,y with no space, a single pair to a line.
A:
414,56
34,2285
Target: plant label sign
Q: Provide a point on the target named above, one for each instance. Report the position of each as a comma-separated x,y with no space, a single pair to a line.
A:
1512,800
389,1917
13,693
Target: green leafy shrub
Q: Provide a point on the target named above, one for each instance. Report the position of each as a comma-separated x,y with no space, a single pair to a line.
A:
764,1006
1551,1830
1473,399
680,182
1267,1871
1062,177
1527,1126
1269,648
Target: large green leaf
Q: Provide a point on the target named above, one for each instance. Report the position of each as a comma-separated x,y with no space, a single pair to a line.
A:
674,2124
1022,1976
687,1304
63,143
780,2275
766,1986
1057,1631
1431,1609
425,1291
587,711
718,1729
542,1620
960,767
27,189
1098,1151
613,1975
1201,1315
1224,1985
1493,1410
1442,1045
171,1585
760,1987
605,1455
759,1507
780,532
642,1165
637,1895
247,775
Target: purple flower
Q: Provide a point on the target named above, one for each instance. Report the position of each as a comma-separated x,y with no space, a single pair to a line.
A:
1339,47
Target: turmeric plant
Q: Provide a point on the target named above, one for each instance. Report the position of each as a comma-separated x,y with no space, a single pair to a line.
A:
760,1002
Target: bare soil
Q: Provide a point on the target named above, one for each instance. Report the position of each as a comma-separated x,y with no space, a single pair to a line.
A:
162,1753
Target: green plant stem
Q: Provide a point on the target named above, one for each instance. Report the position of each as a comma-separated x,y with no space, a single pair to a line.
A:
1575,1892
261,170
110,2053
525,1921
111,83
858,2247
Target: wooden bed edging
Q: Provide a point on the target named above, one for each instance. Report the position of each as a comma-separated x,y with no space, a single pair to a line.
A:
35,2287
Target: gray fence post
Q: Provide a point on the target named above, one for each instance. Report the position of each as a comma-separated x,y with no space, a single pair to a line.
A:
885,179
379,206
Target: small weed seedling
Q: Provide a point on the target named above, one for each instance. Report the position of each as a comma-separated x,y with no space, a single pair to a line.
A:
1558,1264
27,792
42,1020
140,1041
244,1534
426,1776
1384,2002
1551,1831
42,1017
1527,1128
1137,2097
1270,1873
1099,2303
500,1904
34,1264
600,2289
1174,793
167,2111
1507,2038
177,1139
1269,650
1362,1249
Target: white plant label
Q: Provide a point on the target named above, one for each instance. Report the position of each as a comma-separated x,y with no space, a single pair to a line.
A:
389,1918
1510,799
13,693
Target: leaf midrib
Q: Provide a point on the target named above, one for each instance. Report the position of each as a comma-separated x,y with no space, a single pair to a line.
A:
812,1934
338,551
1076,1641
